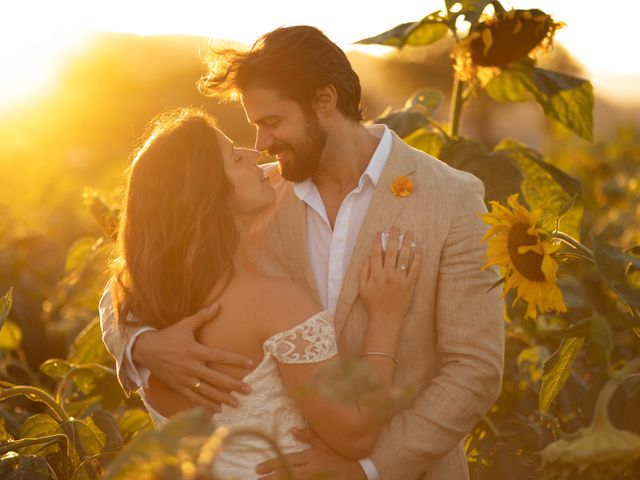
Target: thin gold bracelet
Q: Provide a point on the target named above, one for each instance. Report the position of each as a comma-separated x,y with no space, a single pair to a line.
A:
382,354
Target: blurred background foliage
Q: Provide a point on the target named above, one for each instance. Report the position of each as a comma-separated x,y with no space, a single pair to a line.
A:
62,158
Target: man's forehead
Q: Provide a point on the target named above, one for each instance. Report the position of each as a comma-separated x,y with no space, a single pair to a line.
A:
259,102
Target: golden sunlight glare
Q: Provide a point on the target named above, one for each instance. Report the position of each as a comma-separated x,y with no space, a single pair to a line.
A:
36,34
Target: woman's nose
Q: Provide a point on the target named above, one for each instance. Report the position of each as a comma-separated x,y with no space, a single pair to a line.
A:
250,155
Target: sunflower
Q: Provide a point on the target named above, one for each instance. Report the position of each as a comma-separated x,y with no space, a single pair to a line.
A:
501,39
525,254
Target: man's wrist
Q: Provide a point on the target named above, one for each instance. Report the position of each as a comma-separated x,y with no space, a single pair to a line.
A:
138,347
135,370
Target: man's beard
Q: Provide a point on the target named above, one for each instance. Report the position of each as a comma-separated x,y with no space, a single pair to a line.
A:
304,157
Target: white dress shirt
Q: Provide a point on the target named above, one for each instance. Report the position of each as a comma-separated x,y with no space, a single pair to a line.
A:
329,249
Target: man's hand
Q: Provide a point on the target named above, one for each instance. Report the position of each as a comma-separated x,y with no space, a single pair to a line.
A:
317,462
175,357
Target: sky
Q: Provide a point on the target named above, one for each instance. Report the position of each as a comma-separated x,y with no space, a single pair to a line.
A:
35,35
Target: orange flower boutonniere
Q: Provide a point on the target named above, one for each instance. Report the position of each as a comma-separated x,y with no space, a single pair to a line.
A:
402,186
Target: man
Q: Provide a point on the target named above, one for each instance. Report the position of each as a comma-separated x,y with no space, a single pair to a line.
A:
347,181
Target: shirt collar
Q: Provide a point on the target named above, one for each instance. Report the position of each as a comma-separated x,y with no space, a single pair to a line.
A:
380,155
374,167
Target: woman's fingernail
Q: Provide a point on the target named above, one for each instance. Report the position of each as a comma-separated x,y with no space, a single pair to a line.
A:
245,389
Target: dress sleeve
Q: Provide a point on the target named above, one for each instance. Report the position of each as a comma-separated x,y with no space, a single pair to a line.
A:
311,341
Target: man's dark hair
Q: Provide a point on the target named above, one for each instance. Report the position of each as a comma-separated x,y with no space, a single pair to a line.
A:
294,61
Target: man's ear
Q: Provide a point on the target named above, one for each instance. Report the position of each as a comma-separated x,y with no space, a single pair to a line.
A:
326,99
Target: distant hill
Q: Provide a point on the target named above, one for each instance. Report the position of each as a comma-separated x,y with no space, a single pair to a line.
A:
108,92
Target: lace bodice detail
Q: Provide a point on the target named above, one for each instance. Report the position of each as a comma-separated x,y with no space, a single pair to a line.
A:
268,407
309,342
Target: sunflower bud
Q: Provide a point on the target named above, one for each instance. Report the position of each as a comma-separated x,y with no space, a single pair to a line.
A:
600,450
510,36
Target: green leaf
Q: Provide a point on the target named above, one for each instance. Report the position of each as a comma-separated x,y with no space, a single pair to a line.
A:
567,99
613,265
80,253
134,421
601,339
152,447
23,467
402,122
556,370
36,426
109,428
110,391
5,436
86,376
426,100
511,84
5,306
391,38
426,140
429,31
564,98
88,346
529,361
500,176
471,9
10,336
84,440
83,407
547,188
415,113
55,368
105,215
425,32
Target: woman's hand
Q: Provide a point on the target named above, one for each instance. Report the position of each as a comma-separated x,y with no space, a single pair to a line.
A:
177,359
388,278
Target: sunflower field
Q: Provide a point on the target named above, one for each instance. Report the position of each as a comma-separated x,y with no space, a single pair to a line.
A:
563,227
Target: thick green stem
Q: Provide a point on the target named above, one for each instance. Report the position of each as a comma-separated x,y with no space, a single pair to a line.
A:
455,112
576,255
79,469
569,240
37,395
45,441
600,415
636,318
29,442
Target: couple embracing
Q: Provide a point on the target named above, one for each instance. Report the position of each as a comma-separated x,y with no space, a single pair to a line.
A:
236,284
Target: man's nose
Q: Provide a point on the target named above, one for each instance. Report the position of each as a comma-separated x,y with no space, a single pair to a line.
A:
263,140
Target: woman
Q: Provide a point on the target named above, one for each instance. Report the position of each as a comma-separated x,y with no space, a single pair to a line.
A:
190,200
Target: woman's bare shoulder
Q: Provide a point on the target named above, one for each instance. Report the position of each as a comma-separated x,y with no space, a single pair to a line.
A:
282,302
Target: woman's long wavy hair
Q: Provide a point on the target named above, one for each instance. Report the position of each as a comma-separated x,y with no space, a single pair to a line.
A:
177,235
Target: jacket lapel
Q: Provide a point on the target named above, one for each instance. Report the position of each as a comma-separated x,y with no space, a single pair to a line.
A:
383,212
292,223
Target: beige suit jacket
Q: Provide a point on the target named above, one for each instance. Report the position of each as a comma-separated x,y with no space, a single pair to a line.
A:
452,344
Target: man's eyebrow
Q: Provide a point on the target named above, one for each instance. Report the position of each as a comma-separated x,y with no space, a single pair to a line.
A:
266,118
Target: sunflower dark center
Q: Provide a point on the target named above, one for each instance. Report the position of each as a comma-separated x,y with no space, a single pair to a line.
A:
529,264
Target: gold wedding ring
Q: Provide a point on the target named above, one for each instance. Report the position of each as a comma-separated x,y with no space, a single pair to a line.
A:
197,385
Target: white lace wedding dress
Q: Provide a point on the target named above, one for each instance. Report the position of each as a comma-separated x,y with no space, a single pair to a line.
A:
268,408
